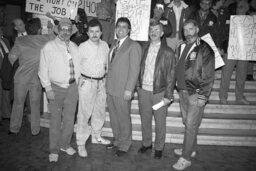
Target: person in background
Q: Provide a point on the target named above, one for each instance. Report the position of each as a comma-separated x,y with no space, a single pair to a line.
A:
59,72
206,19
242,8
93,55
158,17
176,12
123,72
27,50
156,84
195,76
5,96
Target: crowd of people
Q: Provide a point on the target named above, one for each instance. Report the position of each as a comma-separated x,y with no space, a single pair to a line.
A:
82,69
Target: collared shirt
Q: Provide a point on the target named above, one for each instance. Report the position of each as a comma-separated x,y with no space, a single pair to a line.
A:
148,76
93,58
54,63
177,11
27,50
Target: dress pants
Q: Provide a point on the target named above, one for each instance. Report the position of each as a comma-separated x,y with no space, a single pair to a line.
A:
92,104
146,100
5,102
227,70
20,92
62,110
191,117
120,120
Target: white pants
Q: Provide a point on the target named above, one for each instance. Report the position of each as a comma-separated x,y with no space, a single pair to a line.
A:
92,103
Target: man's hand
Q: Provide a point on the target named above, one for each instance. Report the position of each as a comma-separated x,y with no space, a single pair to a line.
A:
166,101
50,95
201,102
127,95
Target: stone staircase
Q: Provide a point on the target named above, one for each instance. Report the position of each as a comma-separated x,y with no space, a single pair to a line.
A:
231,125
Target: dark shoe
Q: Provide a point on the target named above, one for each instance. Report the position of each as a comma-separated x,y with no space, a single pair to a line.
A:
223,101
249,78
158,154
143,149
120,153
12,133
6,119
111,146
242,101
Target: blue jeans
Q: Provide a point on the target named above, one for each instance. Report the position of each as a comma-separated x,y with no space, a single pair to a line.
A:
62,110
192,117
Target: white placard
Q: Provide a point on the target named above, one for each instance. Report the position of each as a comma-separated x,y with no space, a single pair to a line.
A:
138,12
57,8
242,38
218,59
158,105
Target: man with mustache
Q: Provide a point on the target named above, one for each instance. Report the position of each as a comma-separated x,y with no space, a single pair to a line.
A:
195,76
156,84
93,55
59,73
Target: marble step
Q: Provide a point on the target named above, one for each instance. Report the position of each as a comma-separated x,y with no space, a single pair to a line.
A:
234,132
249,85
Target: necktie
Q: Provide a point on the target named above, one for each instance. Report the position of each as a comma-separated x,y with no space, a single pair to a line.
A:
72,71
115,50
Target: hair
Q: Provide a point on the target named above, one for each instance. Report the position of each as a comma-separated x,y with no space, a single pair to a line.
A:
94,22
124,20
190,21
208,0
156,23
33,26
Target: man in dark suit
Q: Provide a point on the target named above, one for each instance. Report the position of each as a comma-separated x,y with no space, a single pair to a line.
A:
156,84
123,71
5,100
195,76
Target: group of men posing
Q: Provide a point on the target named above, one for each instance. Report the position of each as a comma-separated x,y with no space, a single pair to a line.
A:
97,75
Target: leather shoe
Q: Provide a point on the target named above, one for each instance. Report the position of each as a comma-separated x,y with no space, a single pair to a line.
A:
143,149
249,77
12,133
6,119
120,153
158,154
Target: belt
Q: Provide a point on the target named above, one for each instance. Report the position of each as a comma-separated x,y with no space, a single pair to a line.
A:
93,78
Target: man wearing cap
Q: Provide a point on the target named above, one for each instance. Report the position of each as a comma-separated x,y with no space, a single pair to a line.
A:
59,72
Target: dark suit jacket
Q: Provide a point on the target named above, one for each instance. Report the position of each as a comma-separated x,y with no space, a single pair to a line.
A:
123,71
164,70
199,68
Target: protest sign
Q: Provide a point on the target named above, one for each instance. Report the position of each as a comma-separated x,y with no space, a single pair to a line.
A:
138,12
242,38
218,59
57,8
89,7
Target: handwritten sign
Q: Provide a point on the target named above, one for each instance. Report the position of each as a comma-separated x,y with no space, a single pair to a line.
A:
242,38
218,59
138,12
58,8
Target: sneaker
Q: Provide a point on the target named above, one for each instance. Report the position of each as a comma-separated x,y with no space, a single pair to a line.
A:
82,151
53,157
70,151
242,101
178,152
100,140
181,164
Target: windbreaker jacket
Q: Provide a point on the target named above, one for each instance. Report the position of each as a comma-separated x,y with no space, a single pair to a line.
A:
199,68
164,76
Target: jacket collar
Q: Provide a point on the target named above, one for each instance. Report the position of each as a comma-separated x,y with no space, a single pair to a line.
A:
183,4
196,43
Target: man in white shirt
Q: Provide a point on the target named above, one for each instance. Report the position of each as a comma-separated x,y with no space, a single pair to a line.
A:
93,55
59,73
